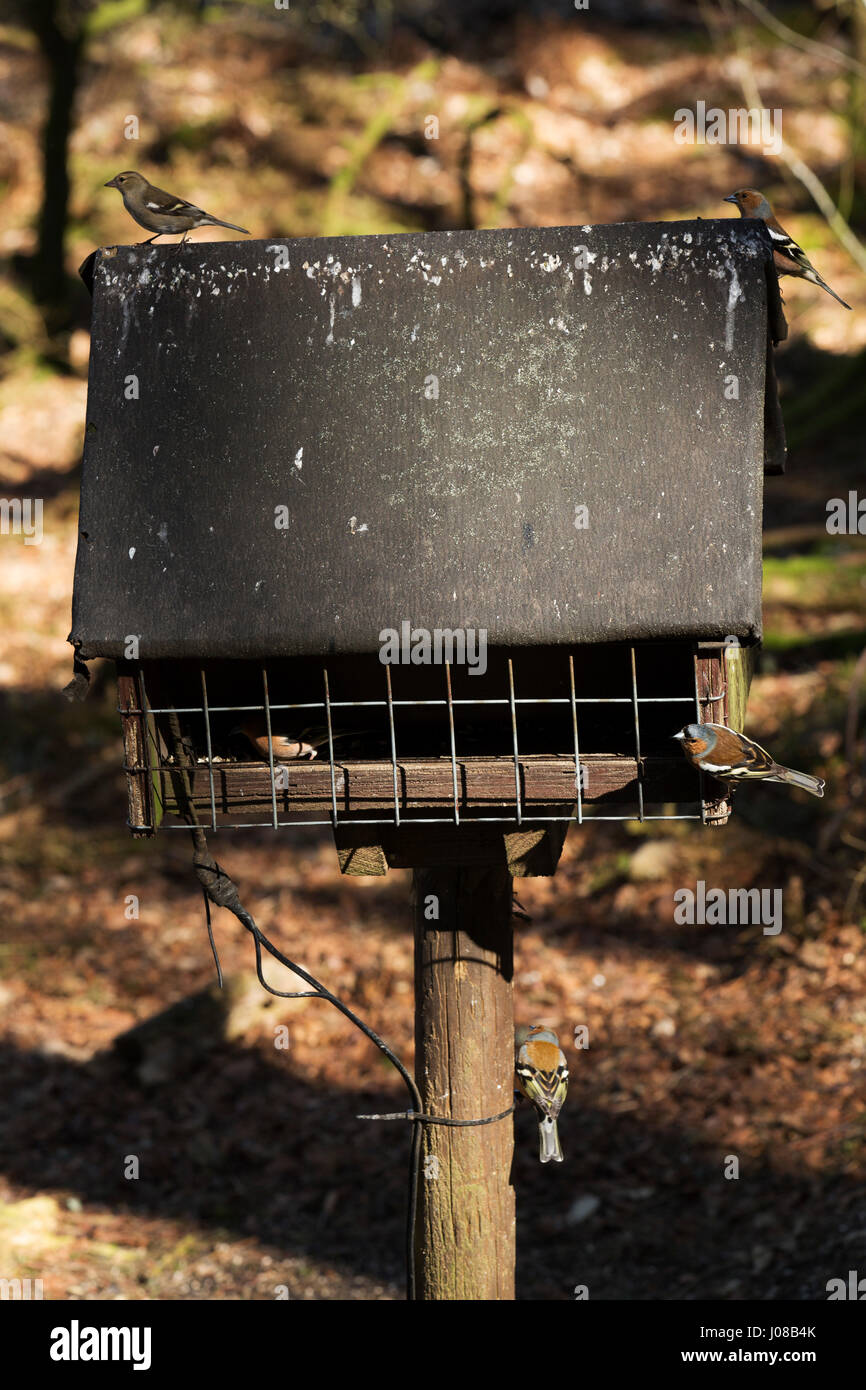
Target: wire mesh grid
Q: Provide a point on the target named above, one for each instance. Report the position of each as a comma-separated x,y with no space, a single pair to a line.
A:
157,759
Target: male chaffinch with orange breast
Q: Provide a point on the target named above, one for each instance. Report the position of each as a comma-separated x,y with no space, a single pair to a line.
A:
160,212
789,258
542,1073
732,757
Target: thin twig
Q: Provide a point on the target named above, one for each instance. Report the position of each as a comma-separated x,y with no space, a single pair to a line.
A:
855,890
821,50
800,169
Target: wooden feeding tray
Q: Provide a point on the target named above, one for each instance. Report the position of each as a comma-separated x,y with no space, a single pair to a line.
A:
544,736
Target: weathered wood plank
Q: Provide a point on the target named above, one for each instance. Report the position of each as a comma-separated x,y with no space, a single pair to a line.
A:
139,788
427,783
531,852
713,697
740,664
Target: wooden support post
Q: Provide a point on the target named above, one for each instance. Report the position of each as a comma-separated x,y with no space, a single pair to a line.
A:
464,1048
712,699
740,663
143,814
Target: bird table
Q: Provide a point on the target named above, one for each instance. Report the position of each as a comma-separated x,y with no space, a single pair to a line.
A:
475,516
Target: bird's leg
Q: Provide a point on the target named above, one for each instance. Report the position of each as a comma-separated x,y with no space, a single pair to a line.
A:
149,239
179,244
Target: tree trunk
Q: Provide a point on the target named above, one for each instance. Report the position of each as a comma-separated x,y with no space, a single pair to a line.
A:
61,37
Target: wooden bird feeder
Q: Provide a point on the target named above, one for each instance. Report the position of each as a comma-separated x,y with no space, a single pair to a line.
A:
543,444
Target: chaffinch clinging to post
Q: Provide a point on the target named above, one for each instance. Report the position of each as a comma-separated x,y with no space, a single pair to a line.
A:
789,258
160,212
542,1073
732,757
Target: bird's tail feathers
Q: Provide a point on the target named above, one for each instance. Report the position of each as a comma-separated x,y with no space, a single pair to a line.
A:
216,222
548,1135
824,286
815,785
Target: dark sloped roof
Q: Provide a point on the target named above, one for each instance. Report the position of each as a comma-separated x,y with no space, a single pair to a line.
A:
432,412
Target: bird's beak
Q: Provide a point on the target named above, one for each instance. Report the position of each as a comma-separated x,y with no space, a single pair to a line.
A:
112,183
680,735
731,198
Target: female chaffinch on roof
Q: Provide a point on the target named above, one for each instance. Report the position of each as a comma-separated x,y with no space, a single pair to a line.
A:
732,757
542,1073
160,212
789,258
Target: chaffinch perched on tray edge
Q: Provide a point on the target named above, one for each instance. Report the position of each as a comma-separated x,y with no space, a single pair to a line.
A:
732,757
542,1073
160,212
789,258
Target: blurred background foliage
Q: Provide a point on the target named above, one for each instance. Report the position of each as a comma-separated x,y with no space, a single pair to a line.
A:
314,119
